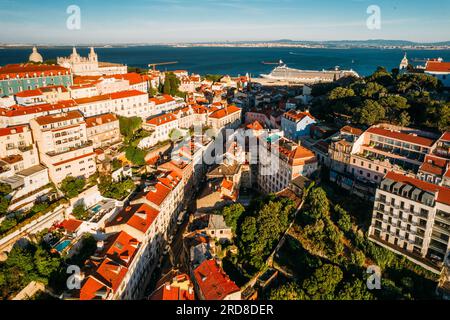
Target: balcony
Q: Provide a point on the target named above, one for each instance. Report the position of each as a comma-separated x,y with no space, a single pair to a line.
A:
78,146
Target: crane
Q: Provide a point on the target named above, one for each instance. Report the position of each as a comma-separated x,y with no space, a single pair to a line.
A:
154,65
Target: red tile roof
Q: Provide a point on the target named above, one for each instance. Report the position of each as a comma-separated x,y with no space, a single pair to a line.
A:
158,194
402,136
297,115
165,98
133,78
352,130
101,119
138,216
71,225
111,96
436,66
443,192
59,117
13,71
29,93
445,136
434,165
15,111
221,113
170,180
11,130
255,126
173,291
112,270
212,281
162,119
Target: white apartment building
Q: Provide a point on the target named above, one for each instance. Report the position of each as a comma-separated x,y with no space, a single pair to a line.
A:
164,103
126,103
130,103
19,161
166,196
160,127
103,130
63,145
43,95
412,217
79,91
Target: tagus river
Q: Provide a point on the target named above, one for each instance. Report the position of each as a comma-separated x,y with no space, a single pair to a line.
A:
238,61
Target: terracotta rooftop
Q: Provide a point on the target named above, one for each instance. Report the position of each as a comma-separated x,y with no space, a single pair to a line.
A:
12,71
101,119
437,66
212,281
443,192
11,130
221,113
59,117
402,136
138,216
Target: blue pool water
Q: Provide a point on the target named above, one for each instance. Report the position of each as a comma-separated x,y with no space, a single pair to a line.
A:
96,209
62,245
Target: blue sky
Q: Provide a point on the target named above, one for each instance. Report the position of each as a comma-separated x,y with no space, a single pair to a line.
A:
163,21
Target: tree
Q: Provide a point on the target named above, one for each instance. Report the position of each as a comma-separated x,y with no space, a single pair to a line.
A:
128,126
46,263
344,221
444,118
340,93
372,90
116,190
232,214
79,211
322,284
371,112
167,88
356,290
290,291
135,155
5,190
317,203
72,187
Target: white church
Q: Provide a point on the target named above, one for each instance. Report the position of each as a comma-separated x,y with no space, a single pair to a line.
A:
90,66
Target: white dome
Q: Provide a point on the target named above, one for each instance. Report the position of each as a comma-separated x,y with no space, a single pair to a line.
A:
35,56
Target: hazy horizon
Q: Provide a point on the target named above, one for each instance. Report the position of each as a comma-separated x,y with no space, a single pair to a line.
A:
189,21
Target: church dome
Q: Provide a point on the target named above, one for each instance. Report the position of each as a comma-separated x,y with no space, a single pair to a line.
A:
35,56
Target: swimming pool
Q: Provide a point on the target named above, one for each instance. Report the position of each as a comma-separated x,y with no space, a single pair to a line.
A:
97,208
62,245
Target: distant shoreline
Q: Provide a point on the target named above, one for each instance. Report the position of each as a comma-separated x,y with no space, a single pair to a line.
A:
369,44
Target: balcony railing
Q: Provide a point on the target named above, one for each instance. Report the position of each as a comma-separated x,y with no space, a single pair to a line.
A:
78,146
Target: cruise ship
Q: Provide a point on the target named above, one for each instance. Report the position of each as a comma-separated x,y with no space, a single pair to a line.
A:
286,74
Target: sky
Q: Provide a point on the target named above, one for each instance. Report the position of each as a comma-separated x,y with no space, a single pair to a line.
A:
171,21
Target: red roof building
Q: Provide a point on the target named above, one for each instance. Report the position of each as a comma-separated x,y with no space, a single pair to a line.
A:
214,284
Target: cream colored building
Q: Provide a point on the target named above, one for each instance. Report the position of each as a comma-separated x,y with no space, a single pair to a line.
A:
412,217
285,161
19,162
63,145
103,130
89,66
226,117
